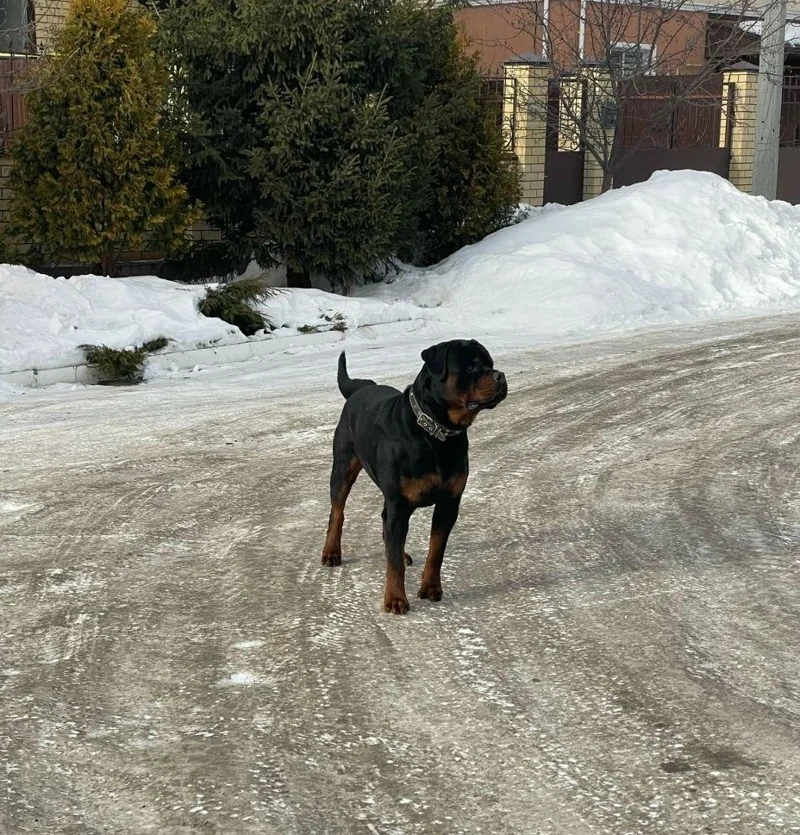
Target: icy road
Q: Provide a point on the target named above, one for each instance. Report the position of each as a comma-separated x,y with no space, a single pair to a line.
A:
618,650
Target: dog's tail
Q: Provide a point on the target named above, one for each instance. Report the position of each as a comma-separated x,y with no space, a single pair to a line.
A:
346,385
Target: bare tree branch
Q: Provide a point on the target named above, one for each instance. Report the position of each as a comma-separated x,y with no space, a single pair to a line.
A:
606,55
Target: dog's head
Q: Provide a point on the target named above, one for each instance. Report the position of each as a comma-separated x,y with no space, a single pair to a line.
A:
461,375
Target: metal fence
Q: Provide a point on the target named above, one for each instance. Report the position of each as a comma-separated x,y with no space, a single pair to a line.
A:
790,112
502,95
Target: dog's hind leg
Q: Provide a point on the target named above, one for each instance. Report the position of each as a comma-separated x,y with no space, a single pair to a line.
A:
406,555
346,468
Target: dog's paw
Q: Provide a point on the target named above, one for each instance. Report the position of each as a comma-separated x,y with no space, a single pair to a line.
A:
395,604
331,557
430,591
409,561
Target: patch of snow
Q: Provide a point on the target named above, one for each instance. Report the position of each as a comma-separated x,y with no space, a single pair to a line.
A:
242,679
43,320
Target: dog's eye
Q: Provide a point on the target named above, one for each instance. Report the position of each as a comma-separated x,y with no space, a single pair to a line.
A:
472,369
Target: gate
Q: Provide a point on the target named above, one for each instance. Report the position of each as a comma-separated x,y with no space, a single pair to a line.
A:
564,154
668,122
789,152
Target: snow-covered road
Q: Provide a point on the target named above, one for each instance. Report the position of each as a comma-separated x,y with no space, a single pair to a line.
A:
617,652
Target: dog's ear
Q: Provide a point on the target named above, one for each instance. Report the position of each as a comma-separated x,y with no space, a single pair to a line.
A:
435,358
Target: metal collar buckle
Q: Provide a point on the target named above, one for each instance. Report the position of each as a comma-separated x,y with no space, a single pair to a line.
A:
426,422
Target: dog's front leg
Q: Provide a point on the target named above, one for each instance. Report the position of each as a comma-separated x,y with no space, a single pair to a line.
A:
398,514
444,517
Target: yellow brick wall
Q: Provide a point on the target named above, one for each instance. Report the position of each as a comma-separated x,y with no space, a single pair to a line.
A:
50,16
592,177
598,90
743,130
529,121
203,231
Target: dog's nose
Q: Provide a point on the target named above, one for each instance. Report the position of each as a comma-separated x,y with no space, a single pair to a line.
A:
499,377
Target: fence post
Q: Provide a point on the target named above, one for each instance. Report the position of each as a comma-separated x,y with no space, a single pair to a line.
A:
597,92
529,120
740,126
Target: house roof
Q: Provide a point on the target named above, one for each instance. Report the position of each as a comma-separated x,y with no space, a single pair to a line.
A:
792,36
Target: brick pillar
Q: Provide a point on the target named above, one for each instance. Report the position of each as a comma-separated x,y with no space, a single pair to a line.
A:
597,92
526,110
50,19
742,131
592,177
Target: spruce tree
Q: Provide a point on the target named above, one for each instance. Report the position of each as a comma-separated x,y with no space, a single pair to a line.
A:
294,164
460,183
332,134
94,167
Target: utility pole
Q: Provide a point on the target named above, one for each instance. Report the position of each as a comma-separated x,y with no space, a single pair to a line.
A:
768,101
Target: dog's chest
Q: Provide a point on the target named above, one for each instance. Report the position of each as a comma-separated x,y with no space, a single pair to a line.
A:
431,482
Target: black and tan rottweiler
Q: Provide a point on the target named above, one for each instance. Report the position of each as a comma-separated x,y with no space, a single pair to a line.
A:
413,445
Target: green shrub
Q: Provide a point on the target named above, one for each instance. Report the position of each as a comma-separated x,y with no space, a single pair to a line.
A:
121,364
233,304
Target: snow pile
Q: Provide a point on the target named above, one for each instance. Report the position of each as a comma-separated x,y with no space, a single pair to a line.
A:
312,309
43,320
682,247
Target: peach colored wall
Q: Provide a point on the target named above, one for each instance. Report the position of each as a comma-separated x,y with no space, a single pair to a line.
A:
504,31
499,33
680,42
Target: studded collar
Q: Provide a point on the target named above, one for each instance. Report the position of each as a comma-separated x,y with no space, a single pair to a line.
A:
431,426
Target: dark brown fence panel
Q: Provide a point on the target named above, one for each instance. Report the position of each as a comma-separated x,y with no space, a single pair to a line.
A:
563,177
660,112
12,101
639,165
789,174
789,153
563,170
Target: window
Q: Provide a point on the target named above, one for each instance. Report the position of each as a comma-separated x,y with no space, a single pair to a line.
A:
16,26
631,58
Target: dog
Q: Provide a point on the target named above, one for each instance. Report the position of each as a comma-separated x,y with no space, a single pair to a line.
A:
413,445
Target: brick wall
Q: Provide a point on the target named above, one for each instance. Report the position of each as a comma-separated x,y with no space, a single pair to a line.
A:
50,16
743,129
529,125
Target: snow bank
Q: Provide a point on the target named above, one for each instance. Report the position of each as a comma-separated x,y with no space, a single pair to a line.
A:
294,309
43,320
682,247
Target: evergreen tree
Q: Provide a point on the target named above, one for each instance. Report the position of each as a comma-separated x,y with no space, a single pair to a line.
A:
332,134
94,167
460,184
293,163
